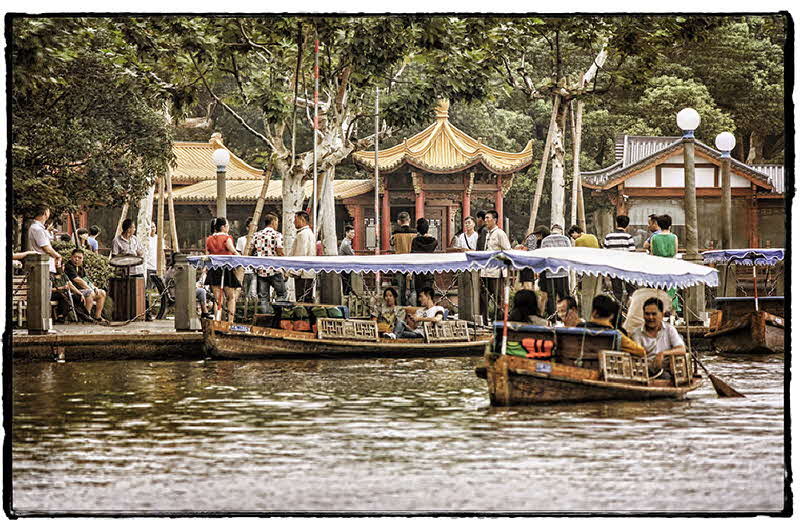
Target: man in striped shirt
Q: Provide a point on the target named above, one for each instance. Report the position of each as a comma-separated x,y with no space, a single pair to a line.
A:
556,284
620,239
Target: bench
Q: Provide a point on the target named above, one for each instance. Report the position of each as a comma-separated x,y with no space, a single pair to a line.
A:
19,301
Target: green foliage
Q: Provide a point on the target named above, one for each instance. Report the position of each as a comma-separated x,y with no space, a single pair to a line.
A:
98,269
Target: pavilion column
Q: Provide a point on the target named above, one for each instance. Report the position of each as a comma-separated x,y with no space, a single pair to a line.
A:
622,209
465,198
386,218
753,219
498,200
419,205
357,213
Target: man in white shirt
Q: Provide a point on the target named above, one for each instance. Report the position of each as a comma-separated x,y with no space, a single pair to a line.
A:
468,239
657,337
249,282
496,239
152,252
304,245
428,312
39,240
128,244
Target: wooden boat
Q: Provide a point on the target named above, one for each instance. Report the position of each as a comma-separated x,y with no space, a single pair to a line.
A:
757,332
749,324
236,341
581,368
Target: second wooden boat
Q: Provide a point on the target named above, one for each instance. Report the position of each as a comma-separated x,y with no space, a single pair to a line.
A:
758,332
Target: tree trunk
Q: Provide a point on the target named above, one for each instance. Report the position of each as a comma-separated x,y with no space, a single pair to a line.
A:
756,153
557,175
172,223
160,263
577,126
292,199
327,212
145,218
537,196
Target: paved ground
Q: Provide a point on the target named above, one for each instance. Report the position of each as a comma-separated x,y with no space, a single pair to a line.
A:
138,327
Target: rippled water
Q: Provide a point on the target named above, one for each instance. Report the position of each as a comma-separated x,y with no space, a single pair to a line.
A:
354,435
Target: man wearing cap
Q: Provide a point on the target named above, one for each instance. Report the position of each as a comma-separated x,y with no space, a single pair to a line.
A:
556,284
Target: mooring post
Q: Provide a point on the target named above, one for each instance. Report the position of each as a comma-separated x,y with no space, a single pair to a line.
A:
468,295
185,295
38,308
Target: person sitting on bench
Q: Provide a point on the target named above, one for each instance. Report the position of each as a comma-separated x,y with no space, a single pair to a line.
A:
428,312
604,312
658,338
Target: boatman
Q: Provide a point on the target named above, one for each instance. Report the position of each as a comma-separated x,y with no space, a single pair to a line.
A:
659,338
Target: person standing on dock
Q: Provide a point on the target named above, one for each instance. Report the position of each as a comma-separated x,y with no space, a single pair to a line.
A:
269,243
39,240
621,240
346,249
496,240
223,281
304,245
94,231
423,243
555,284
250,284
401,242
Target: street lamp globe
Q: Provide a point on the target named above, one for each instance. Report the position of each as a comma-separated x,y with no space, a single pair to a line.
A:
688,121
221,158
725,142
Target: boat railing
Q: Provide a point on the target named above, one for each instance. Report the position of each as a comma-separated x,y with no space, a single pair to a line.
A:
446,331
347,329
619,365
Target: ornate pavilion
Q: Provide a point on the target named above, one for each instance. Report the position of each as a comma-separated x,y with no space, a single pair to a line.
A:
434,174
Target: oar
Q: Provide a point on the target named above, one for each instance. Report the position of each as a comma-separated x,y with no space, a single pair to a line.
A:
723,390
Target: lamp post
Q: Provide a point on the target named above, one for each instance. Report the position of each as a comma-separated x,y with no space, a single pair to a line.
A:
725,142
688,121
221,158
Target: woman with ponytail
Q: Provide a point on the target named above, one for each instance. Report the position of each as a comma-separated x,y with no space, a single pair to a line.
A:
220,243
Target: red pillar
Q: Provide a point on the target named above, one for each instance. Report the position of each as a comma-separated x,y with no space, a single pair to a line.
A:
419,206
753,219
386,219
83,219
465,205
357,212
498,202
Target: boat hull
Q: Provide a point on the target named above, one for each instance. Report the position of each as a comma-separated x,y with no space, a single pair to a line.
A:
225,340
514,380
757,332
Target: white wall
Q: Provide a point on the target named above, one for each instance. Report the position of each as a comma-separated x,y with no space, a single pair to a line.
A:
646,179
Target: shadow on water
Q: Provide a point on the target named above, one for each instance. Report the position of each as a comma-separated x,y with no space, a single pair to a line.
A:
361,435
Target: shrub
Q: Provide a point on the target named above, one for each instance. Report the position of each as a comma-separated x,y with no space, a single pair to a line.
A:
97,267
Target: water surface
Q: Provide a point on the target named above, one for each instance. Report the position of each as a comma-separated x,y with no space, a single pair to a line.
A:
408,435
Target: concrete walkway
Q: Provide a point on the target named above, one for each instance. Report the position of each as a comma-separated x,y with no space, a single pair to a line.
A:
157,339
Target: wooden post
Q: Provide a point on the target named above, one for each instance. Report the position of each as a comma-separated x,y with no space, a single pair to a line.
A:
386,224
753,218
469,288
577,126
185,295
465,198
419,203
695,296
38,308
537,196
160,229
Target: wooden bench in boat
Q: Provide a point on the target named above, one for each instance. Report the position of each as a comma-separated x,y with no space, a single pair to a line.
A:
367,330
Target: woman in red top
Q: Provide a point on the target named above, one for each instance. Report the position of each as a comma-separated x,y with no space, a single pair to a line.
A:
220,243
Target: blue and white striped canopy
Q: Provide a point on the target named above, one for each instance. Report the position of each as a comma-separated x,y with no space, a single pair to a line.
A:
745,256
635,267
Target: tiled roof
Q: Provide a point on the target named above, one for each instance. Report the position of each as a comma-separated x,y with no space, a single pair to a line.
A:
640,152
443,148
249,190
775,172
193,163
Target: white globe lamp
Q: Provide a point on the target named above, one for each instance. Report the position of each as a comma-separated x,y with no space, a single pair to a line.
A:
688,121
221,158
725,142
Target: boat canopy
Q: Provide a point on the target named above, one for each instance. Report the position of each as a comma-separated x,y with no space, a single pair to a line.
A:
635,267
745,256
413,263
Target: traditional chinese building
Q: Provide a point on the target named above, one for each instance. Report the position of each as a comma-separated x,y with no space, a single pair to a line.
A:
648,178
434,174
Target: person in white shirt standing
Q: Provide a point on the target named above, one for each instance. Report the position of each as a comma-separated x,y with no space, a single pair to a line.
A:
269,243
152,253
39,240
249,287
468,239
496,239
304,245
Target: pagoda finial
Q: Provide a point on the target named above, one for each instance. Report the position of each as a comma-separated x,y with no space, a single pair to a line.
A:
216,140
443,109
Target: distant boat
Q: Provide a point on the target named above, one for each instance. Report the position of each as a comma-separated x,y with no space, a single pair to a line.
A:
748,324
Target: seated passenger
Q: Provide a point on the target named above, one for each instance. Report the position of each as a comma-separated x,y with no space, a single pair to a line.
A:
604,312
657,337
92,296
567,311
428,312
526,308
390,315
636,304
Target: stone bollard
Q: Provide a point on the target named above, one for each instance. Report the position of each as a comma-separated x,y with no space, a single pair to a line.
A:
39,286
185,295
469,291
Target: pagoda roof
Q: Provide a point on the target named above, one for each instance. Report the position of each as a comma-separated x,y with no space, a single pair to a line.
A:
442,148
248,190
193,163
